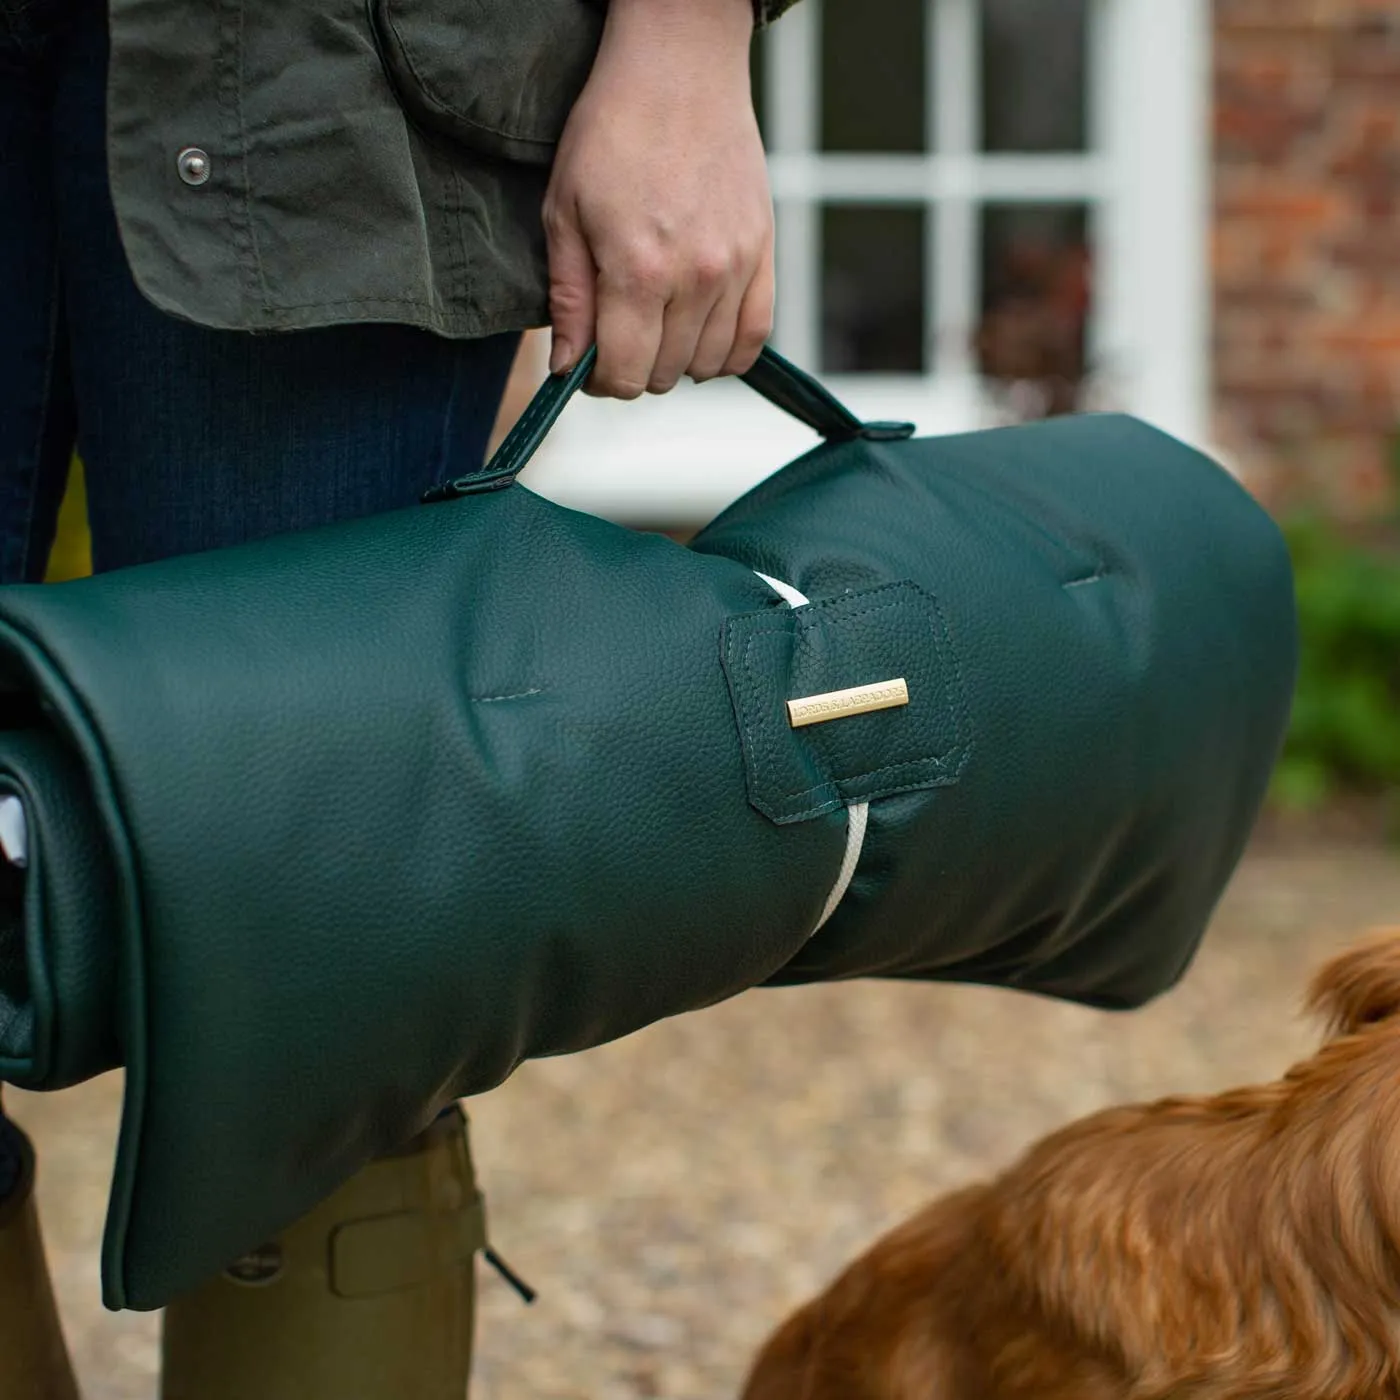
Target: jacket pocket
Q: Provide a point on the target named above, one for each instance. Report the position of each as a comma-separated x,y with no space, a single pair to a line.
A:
498,76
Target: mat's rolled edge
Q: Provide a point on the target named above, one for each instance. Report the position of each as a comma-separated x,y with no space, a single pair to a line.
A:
59,919
26,659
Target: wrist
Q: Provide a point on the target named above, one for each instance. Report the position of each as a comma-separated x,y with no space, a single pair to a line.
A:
718,30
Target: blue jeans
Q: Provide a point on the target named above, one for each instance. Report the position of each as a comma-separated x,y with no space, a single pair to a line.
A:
190,438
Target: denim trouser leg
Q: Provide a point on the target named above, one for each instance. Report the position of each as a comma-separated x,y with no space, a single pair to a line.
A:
37,421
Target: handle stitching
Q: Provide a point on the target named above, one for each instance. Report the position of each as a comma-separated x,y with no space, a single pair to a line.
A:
796,393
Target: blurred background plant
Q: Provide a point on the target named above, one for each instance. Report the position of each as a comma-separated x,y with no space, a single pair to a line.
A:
1345,737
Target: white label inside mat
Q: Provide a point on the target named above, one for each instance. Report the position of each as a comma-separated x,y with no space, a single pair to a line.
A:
14,832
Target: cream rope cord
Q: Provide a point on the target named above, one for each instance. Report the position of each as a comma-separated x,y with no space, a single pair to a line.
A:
14,832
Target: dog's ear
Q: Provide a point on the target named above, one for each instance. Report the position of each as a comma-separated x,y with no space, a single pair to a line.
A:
1360,987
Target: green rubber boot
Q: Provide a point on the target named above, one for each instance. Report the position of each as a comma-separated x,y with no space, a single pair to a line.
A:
34,1362
369,1297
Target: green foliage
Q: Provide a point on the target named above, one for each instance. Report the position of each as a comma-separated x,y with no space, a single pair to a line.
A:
1345,735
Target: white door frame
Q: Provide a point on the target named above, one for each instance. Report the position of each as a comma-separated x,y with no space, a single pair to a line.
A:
680,458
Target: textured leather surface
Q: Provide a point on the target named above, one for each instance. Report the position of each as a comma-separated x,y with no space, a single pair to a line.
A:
395,805
1122,615
793,390
895,631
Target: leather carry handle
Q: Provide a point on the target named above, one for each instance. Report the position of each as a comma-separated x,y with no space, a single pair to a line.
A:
778,380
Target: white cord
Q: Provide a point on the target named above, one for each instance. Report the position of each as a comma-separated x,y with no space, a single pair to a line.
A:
857,813
785,591
14,832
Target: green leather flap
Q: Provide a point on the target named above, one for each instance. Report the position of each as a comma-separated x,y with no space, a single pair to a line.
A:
386,1253
863,638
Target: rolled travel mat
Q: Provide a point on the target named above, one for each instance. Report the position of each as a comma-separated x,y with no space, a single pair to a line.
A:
322,832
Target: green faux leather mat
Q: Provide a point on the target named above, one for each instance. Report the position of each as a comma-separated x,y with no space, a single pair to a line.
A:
332,828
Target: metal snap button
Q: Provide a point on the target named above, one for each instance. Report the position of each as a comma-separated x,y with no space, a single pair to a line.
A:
193,165
259,1266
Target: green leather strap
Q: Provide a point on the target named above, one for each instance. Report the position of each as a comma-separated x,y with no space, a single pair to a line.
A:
796,392
778,380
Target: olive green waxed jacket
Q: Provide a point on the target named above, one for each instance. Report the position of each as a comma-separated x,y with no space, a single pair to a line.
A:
282,164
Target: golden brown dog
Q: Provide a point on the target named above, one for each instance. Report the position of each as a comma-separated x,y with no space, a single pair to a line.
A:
1230,1248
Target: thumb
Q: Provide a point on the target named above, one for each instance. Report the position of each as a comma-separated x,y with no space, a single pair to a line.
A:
572,291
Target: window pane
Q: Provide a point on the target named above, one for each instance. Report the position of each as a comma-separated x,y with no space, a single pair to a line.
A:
872,78
1036,280
1035,75
872,289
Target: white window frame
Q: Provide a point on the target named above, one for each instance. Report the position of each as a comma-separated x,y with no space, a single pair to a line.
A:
677,459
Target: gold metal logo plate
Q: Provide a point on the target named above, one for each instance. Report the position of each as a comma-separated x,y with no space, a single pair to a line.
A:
840,704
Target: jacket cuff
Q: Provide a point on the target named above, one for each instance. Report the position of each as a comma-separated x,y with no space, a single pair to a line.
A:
766,11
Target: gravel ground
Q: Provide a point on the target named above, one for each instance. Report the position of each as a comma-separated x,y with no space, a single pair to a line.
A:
674,1194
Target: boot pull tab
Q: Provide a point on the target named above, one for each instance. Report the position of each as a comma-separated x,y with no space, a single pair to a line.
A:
527,1293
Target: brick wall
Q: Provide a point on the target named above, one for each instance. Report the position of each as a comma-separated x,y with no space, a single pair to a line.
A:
1307,246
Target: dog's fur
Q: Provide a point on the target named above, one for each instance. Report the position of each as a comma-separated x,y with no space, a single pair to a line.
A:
1229,1248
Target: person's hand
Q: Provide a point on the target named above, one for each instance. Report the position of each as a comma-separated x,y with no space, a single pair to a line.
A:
658,216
